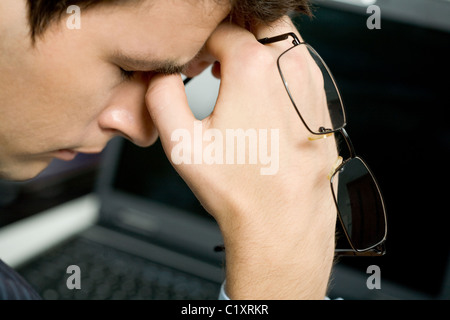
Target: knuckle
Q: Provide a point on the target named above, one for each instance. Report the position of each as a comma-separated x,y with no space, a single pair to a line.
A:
254,58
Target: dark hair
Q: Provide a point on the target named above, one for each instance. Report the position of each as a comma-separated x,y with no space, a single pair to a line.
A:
248,13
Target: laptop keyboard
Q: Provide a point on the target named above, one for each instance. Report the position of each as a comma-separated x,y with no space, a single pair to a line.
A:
110,274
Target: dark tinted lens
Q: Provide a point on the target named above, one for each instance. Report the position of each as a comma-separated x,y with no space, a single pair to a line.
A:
327,111
360,205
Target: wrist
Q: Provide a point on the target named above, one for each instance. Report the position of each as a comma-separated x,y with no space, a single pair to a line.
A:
271,264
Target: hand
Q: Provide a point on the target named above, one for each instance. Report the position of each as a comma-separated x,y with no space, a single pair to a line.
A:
278,228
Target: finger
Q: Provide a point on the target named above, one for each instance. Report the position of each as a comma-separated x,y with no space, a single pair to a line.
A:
167,104
227,42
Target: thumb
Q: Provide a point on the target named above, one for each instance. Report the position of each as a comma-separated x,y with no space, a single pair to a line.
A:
168,106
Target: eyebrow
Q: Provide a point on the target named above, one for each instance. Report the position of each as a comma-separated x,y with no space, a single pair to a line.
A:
145,65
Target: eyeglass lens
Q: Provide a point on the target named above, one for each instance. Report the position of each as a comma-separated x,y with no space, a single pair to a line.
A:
330,113
359,203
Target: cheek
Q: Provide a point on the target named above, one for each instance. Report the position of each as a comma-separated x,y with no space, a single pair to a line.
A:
72,113
71,86
57,114
78,100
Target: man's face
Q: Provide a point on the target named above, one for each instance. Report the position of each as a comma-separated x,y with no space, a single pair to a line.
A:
68,94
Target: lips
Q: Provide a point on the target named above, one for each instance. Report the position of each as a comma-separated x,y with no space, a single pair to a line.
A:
70,154
66,154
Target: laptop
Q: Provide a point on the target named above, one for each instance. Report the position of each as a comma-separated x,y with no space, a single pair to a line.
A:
151,238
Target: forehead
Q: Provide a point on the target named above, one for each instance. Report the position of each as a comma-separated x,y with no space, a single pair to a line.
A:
173,30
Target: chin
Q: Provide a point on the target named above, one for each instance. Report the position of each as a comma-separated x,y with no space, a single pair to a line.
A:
23,172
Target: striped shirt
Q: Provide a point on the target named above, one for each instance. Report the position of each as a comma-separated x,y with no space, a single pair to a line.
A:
13,286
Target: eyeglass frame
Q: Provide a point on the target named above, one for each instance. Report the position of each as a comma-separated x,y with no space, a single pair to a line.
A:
379,248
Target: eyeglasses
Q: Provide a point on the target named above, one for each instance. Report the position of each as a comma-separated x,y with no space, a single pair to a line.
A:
360,206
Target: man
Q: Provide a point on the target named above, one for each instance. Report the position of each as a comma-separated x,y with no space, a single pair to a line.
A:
65,91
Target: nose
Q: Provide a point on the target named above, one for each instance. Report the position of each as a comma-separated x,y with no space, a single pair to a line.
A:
126,114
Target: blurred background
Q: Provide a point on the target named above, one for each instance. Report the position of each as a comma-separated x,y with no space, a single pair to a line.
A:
395,97
394,86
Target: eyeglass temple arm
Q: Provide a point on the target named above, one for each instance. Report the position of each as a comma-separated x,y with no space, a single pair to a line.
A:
379,250
281,37
186,81
348,142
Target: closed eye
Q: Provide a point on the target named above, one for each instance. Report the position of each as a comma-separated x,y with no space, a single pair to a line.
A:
127,75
